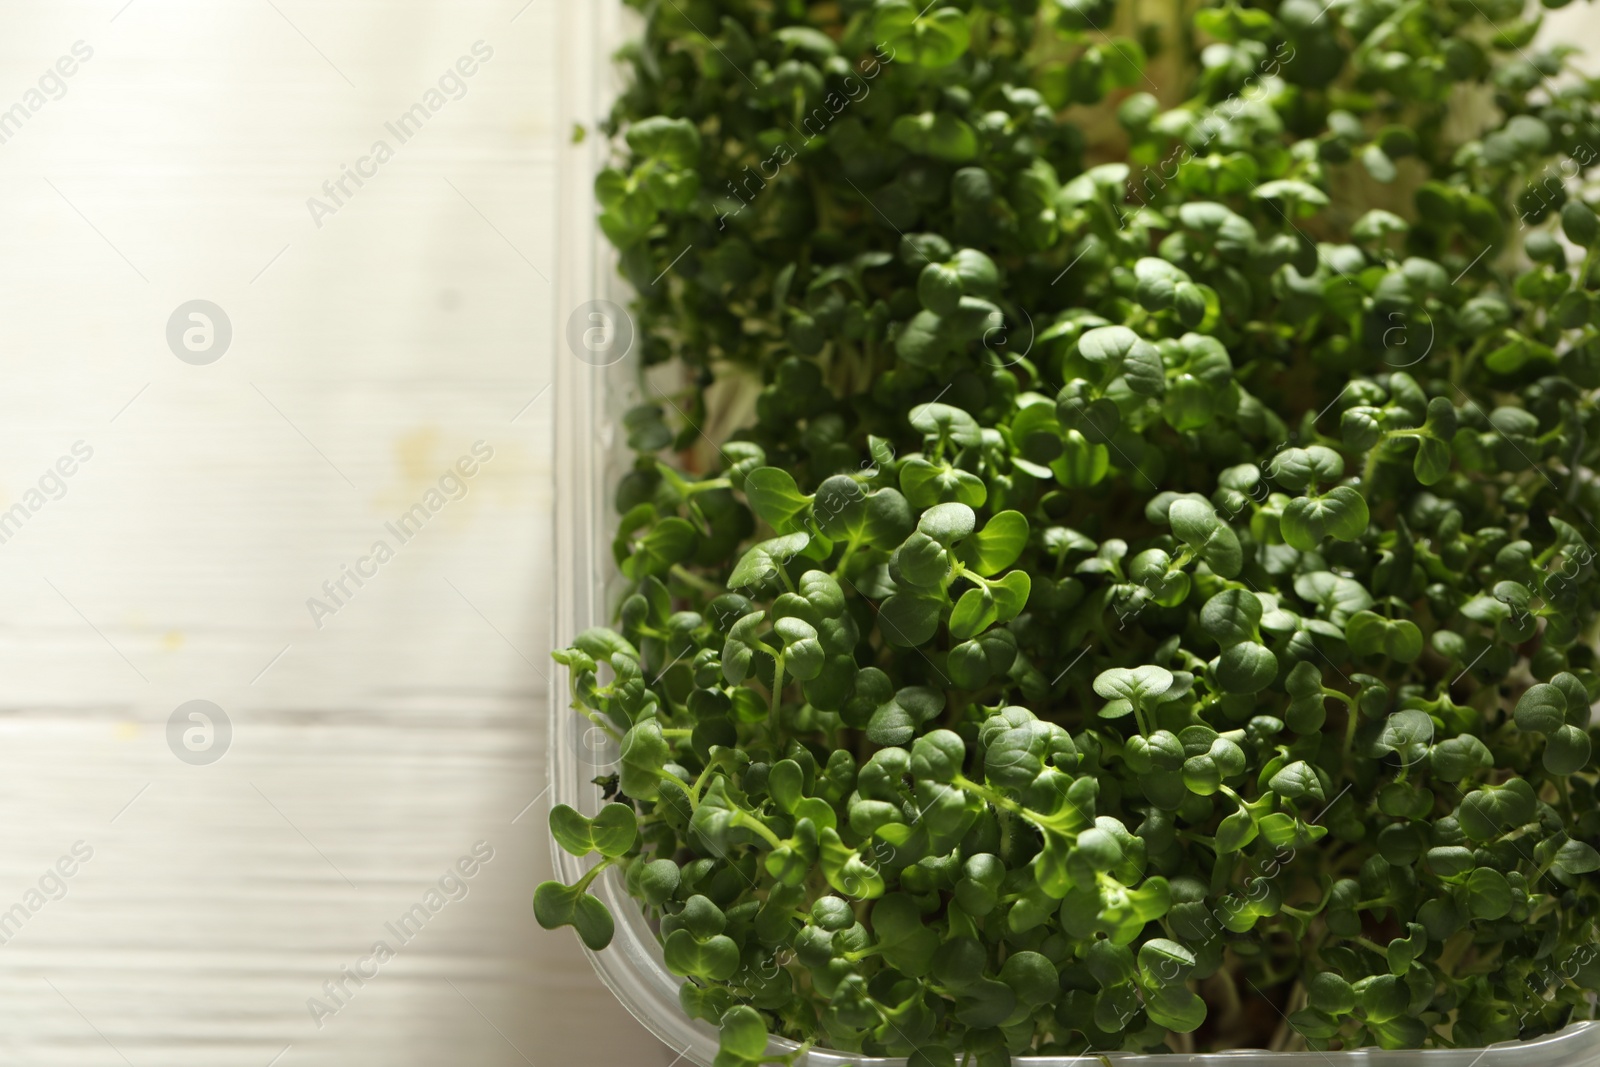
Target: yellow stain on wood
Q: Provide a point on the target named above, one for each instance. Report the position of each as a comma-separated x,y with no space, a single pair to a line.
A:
431,469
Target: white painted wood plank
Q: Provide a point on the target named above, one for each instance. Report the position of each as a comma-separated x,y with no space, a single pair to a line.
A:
367,356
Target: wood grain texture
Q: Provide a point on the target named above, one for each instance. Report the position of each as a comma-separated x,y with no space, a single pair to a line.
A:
367,356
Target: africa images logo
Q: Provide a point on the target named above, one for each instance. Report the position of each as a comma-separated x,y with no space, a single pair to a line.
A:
453,484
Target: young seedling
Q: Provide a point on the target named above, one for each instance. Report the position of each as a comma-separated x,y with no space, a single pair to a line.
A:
1147,600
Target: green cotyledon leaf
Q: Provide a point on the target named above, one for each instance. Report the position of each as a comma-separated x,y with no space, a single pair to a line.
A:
997,546
612,832
1199,526
1341,513
773,496
556,905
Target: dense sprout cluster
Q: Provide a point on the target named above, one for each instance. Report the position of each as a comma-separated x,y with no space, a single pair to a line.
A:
1146,599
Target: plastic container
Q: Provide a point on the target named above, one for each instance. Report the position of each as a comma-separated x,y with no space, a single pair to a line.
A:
596,380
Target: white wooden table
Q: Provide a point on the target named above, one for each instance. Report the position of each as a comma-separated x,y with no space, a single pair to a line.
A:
367,355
